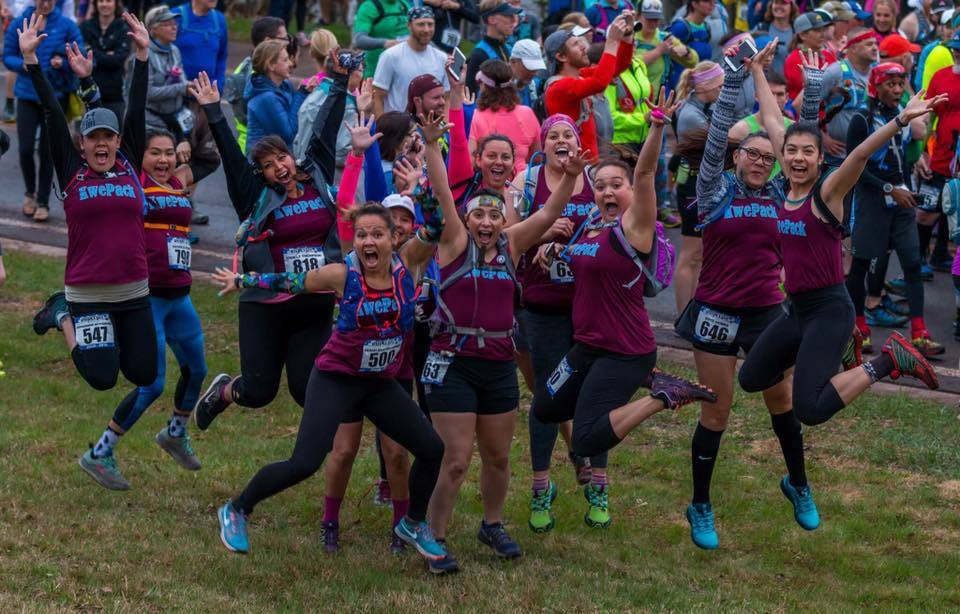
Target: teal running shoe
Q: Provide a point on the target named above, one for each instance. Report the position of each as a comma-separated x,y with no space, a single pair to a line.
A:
702,532
878,316
598,514
104,471
900,308
233,529
418,535
541,502
804,509
179,448
54,310
896,286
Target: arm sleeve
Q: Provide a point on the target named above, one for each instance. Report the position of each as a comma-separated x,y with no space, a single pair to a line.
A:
361,40
290,283
66,159
322,149
134,141
346,195
374,182
812,95
458,163
624,57
724,116
243,185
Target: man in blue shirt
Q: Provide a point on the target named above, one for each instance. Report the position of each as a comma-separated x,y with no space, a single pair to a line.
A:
202,40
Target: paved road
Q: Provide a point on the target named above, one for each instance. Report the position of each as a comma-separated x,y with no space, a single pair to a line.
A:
216,247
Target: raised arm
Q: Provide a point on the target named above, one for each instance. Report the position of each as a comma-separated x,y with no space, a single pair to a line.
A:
724,116
244,185
638,221
134,141
524,235
66,158
361,140
419,250
836,186
322,149
453,239
770,115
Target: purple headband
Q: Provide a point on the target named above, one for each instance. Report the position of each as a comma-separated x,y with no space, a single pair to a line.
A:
484,79
707,75
553,120
736,40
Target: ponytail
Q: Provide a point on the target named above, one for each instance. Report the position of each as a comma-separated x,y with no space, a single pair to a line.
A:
685,84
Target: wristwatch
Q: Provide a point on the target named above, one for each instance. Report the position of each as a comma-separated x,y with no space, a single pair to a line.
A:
900,122
887,188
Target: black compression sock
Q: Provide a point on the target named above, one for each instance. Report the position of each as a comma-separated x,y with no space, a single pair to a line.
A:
924,232
706,444
879,368
790,433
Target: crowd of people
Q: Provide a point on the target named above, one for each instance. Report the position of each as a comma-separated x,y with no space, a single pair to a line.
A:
420,228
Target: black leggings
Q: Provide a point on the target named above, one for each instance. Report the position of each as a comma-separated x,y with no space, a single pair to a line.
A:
599,382
133,351
29,118
811,339
291,333
282,8
386,404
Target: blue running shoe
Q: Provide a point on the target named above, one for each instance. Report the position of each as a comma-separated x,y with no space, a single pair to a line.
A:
447,564
926,272
702,531
418,535
899,308
804,509
896,286
878,316
233,529
495,536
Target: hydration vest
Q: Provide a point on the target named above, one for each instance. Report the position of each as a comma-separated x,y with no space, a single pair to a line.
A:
356,294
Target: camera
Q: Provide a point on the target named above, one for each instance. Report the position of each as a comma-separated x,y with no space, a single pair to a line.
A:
350,60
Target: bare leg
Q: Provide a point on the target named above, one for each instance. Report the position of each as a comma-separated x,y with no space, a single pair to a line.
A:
457,430
688,270
494,438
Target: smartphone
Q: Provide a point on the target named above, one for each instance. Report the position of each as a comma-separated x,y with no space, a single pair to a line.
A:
746,50
458,61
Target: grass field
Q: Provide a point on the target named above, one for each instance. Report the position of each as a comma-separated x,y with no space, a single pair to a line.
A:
886,475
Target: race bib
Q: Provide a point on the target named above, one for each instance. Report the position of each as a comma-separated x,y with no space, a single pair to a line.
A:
185,119
179,253
94,331
378,354
302,259
450,37
560,272
559,377
929,196
716,327
435,369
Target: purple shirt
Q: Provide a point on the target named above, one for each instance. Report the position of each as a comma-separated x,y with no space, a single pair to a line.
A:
554,289
166,247
483,298
607,315
811,250
105,234
741,256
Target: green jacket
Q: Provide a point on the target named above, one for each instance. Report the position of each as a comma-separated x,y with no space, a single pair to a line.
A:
627,95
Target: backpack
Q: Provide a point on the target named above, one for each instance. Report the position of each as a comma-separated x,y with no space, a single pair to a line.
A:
383,14
842,226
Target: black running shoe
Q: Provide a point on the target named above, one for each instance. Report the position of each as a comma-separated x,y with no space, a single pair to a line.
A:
46,318
331,536
496,536
676,392
211,404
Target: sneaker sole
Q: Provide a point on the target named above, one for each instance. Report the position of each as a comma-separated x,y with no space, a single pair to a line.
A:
174,453
594,524
442,572
500,556
196,407
413,542
224,539
98,479
542,530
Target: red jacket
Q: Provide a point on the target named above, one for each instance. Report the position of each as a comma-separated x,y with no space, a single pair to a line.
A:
565,95
793,70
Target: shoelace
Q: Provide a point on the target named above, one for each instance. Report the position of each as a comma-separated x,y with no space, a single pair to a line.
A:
498,535
186,445
804,500
541,501
597,497
238,522
702,518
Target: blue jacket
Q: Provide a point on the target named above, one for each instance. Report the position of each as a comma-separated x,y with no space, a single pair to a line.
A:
271,109
203,43
59,31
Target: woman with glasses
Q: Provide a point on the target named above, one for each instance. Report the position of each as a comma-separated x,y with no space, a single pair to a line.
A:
738,292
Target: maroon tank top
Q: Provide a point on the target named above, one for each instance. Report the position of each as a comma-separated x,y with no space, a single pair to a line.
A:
606,314
741,256
553,290
483,298
811,249
105,234
300,227
166,223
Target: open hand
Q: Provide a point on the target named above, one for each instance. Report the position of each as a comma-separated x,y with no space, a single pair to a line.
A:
406,176
226,278
434,127
184,151
204,90
918,106
661,112
573,165
137,32
81,65
360,137
30,37
365,99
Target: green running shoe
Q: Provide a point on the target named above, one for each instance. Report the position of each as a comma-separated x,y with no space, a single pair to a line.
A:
541,518
179,448
598,515
104,471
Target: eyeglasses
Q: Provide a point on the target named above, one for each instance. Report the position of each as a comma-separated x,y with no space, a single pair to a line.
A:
755,155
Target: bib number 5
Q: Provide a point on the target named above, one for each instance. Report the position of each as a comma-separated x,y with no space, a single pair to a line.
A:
378,354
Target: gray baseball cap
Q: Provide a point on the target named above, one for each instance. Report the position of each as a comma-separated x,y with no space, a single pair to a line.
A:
556,41
159,14
813,20
99,118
